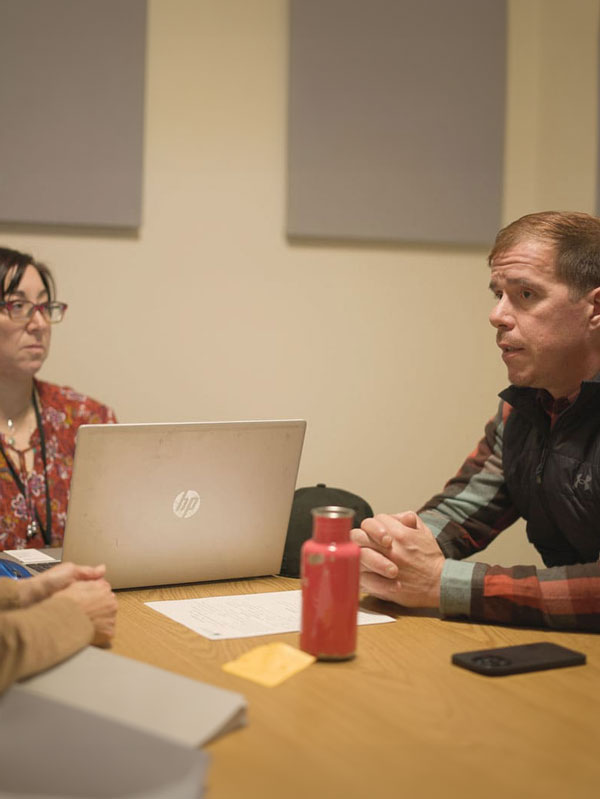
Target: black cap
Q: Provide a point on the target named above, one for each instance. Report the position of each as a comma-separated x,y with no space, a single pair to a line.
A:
300,526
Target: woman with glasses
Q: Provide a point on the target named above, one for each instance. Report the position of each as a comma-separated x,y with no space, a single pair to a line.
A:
38,420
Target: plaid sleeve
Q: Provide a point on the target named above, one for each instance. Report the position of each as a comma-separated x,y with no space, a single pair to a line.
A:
474,506
563,597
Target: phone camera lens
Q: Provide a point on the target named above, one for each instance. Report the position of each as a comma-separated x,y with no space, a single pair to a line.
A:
491,661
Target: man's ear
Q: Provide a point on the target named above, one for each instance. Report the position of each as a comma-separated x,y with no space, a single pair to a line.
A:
594,298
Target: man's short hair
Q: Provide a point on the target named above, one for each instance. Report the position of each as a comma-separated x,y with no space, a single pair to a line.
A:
575,237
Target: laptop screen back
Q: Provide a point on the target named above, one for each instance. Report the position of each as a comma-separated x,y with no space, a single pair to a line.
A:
171,503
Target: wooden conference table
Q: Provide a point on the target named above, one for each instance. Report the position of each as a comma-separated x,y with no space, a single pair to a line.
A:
398,720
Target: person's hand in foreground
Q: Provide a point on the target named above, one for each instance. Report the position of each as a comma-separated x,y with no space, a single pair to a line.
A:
47,583
99,603
84,585
400,560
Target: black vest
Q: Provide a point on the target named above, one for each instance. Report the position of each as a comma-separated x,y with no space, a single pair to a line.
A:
553,476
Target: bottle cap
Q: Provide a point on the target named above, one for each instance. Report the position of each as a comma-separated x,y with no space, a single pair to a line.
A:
332,523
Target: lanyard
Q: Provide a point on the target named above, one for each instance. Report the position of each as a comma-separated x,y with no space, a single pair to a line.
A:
47,532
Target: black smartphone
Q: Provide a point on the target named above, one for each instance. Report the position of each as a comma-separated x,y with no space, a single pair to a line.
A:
516,659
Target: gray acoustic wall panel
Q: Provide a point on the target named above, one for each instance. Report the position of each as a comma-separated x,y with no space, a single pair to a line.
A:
396,119
72,100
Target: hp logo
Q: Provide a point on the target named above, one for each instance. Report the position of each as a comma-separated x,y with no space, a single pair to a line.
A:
186,503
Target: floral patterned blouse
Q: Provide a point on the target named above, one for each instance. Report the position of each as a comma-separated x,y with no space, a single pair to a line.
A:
62,411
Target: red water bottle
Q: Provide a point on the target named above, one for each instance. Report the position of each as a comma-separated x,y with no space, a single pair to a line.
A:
329,573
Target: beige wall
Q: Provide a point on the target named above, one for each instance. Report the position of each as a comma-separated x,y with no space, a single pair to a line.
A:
210,314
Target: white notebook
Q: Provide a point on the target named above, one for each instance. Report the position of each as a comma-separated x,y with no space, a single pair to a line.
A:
141,696
54,750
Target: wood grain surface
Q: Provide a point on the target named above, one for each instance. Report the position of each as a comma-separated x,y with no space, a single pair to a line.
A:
399,718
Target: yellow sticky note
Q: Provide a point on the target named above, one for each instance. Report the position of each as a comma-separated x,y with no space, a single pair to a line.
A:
270,664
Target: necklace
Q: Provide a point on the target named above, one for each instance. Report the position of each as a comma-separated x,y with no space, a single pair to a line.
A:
12,426
34,524
11,432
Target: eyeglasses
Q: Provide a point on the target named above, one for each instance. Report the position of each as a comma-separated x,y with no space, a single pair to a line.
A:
22,310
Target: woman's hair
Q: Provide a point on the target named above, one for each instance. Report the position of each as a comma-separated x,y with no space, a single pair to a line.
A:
12,266
575,237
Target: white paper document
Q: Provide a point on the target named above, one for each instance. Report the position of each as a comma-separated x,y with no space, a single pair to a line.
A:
29,555
245,615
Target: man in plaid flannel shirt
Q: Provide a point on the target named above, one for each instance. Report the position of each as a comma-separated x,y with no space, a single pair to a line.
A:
539,458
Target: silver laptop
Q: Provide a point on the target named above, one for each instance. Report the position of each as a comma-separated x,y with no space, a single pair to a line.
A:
173,503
